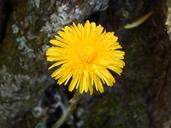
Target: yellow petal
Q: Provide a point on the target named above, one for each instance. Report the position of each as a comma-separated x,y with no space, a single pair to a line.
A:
58,71
57,64
107,77
115,69
73,84
57,43
98,84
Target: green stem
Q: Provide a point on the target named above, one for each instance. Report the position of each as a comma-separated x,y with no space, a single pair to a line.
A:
69,111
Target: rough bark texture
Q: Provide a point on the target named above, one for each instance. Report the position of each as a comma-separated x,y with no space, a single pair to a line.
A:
23,69
168,18
141,98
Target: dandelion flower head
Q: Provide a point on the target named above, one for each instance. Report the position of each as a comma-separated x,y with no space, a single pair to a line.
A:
84,57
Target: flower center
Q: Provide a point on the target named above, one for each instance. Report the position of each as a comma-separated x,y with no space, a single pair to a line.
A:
88,54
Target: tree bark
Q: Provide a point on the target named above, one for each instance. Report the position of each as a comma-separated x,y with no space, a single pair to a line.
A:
25,32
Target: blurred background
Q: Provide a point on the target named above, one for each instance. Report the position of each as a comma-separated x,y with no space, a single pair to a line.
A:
141,98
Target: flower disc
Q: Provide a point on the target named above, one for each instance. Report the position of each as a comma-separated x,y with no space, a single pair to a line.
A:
84,55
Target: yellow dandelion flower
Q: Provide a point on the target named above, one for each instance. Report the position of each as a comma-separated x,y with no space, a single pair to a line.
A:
83,55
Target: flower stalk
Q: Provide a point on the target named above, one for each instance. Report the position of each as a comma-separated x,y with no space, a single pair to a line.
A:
69,111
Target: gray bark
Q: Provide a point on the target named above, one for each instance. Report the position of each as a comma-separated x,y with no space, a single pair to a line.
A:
23,68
